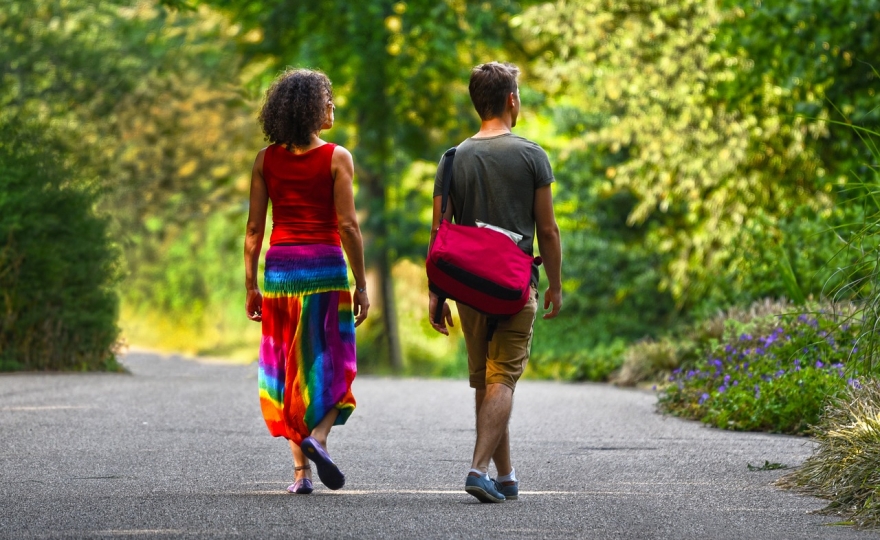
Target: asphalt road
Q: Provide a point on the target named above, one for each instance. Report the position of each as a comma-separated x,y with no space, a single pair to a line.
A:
178,448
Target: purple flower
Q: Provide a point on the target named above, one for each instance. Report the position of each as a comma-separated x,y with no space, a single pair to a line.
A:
854,383
722,389
819,364
703,398
780,373
735,383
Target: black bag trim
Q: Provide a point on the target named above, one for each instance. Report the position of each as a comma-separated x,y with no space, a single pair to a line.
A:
481,284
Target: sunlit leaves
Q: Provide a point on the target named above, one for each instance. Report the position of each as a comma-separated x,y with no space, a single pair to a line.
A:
703,104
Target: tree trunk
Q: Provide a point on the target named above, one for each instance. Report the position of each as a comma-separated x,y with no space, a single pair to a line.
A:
389,313
378,259
370,98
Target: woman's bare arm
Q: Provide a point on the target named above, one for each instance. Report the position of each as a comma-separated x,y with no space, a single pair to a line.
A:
253,238
342,167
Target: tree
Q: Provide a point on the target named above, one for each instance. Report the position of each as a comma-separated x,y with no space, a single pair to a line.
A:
58,266
399,69
710,118
143,107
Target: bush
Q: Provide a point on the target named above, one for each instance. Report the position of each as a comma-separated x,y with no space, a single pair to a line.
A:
57,265
768,373
647,361
596,363
844,468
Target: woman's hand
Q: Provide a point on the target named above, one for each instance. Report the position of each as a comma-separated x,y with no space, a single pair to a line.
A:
445,319
360,305
253,305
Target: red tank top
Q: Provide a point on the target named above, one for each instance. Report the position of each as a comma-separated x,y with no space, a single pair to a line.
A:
301,190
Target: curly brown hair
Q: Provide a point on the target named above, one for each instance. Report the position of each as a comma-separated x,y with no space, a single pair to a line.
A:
295,107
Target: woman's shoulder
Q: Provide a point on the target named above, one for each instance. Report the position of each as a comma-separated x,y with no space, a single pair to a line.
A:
268,151
340,152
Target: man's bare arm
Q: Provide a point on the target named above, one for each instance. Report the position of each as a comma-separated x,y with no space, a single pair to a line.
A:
550,247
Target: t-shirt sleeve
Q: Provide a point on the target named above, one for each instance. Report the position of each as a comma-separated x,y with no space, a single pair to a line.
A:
543,170
438,177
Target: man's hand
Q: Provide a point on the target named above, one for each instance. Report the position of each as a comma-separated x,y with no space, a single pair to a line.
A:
552,297
254,305
445,319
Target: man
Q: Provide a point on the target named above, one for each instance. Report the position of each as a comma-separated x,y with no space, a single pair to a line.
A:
504,180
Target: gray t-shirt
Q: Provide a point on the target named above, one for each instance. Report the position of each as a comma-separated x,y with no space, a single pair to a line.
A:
494,181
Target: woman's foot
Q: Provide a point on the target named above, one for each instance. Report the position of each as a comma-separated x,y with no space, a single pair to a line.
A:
302,476
328,472
303,486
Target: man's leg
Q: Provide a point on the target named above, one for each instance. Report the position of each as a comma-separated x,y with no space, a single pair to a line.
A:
492,417
506,358
501,456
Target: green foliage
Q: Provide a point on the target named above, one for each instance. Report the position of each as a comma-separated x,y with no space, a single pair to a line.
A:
843,468
58,267
187,294
145,98
400,72
770,372
711,118
646,361
562,356
612,277
859,276
701,152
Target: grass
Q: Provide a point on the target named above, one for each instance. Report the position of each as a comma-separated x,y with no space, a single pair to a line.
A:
845,468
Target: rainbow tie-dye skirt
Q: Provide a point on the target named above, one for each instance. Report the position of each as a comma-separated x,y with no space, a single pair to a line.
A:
307,355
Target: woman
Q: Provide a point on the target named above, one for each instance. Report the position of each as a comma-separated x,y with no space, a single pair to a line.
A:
307,354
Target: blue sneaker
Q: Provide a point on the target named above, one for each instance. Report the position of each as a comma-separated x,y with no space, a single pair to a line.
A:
509,489
483,488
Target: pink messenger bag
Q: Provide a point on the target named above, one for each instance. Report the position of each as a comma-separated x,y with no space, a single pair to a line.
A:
479,267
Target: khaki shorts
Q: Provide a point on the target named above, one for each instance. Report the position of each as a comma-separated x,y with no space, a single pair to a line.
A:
503,359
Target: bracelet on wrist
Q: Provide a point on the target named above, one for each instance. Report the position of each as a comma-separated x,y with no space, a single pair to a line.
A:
361,289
